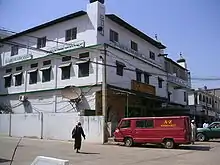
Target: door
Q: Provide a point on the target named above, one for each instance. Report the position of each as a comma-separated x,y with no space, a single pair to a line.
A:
125,129
214,130
143,131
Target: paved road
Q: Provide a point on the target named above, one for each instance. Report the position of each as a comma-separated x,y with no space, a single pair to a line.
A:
199,154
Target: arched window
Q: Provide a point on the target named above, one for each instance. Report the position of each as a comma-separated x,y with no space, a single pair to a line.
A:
203,98
200,97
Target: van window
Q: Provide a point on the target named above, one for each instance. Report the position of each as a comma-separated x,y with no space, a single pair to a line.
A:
144,124
125,124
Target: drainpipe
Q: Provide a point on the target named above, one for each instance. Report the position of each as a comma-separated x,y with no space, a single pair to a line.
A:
55,86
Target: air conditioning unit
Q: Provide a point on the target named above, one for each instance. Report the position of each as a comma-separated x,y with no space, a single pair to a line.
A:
22,98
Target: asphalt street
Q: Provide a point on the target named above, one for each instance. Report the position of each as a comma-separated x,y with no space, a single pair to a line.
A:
92,154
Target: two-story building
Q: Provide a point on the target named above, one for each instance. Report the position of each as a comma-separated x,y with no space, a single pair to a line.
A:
204,106
80,50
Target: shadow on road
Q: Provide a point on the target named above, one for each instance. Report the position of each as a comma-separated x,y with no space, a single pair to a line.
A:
4,160
89,153
185,147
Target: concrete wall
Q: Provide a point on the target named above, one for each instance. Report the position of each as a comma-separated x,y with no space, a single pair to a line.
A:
50,101
4,124
177,95
26,125
51,126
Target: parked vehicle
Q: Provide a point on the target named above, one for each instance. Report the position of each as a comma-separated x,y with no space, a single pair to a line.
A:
169,131
211,132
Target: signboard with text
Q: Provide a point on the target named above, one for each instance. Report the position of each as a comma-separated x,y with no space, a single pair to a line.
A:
67,46
141,87
17,58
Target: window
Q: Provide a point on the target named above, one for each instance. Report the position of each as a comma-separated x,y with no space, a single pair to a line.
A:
152,55
48,62
138,75
146,78
66,72
71,34
8,81
113,36
33,77
125,124
134,46
46,74
41,42
8,70
207,99
18,79
83,69
200,97
14,50
210,100
84,55
66,58
203,98
18,68
160,82
145,124
34,65
83,65
119,68
185,97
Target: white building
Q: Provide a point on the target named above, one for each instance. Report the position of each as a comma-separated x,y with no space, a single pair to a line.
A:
179,82
204,105
39,62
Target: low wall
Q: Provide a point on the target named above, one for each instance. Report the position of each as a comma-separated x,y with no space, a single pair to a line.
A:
56,126
5,124
26,125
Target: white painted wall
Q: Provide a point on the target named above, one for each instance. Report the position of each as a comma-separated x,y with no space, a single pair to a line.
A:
177,95
4,124
191,99
52,126
53,129
125,38
26,125
50,101
131,63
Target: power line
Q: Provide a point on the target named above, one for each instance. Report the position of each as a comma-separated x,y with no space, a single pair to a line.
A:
109,65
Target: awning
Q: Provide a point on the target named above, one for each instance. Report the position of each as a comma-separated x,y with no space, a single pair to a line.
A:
82,61
7,75
45,68
159,78
147,73
65,65
120,63
16,74
32,70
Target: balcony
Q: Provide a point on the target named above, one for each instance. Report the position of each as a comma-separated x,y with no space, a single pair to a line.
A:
142,87
179,83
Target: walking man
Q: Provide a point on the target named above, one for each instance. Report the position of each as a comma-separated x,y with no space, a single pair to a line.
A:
77,134
194,131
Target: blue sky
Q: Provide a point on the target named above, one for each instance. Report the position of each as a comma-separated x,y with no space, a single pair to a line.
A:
189,26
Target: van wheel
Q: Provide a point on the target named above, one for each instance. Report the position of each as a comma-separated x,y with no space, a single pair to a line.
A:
169,144
128,142
201,137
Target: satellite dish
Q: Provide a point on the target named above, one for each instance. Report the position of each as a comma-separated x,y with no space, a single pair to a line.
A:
72,93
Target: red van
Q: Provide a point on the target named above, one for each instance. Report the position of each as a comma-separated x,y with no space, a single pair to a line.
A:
169,131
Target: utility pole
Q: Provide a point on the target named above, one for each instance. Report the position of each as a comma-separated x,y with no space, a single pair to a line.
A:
104,93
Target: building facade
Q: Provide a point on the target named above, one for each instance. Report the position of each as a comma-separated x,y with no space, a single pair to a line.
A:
179,82
204,106
69,51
